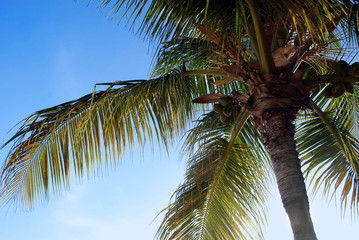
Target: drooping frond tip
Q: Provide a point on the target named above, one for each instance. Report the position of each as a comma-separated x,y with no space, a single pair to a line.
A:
220,199
224,191
85,133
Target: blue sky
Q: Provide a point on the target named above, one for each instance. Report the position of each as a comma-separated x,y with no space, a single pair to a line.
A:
55,51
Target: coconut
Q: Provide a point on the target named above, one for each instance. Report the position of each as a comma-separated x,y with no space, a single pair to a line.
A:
349,87
328,91
218,108
354,69
341,68
224,101
224,119
227,111
338,90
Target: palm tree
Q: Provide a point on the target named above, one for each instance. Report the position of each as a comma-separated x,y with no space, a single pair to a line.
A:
264,65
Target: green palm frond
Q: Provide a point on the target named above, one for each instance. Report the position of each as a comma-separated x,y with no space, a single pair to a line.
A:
77,131
166,19
209,128
223,194
351,23
194,53
346,111
203,58
329,147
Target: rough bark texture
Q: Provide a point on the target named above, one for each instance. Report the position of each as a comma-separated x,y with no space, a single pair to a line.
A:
279,133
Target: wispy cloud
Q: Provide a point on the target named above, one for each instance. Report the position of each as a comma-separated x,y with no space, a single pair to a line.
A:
81,219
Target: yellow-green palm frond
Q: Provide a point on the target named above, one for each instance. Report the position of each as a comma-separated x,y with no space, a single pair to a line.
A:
230,23
224,192
351,21
329,148
91,130
203,59
202,52
164,19
193,53
209,127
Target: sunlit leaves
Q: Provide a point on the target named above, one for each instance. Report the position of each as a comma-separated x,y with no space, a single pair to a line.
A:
163,20
90,131
223,194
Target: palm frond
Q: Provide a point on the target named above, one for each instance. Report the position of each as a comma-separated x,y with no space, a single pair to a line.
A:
203,58
192,53
224,190
166,19
329,148
351,23
77,131
209,127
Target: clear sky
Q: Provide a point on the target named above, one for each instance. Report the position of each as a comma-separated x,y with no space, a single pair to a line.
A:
55,51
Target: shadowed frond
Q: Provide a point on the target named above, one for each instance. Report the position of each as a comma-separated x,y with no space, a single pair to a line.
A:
329,148
223,194
77,131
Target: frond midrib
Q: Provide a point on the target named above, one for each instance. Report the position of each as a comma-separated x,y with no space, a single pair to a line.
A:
237,128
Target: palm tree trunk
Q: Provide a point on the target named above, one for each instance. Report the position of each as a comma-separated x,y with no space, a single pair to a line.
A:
279,134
